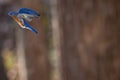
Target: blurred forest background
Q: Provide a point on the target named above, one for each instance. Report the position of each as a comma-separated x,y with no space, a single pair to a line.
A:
77,40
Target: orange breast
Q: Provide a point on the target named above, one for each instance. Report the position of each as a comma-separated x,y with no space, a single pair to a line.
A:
18,21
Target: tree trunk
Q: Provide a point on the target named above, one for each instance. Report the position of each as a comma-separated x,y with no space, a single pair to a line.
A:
91,39
36,45
56,40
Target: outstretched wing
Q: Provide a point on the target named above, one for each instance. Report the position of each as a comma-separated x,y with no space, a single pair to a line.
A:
28,26
29,11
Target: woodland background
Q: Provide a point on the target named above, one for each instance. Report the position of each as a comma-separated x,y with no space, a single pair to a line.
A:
77,40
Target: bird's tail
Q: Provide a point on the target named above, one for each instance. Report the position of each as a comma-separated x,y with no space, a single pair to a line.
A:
28,26
32,29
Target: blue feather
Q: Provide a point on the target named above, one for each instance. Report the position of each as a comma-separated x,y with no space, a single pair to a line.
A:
28,26
28,11
12,13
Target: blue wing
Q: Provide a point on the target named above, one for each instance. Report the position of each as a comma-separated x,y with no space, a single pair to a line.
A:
28,26
28,11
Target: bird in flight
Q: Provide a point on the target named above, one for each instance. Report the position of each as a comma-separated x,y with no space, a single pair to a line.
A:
23,16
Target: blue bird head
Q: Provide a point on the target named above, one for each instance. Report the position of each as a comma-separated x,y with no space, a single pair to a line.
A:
12,13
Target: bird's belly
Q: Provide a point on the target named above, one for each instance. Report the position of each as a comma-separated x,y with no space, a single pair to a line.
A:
19,22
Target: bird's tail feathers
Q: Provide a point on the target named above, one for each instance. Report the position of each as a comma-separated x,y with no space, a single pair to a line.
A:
28,26
32,29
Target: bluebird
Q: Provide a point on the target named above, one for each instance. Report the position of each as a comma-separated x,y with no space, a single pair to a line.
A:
23,16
